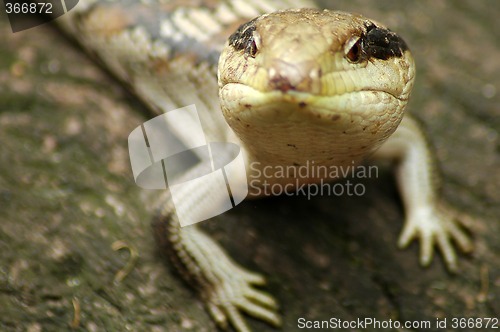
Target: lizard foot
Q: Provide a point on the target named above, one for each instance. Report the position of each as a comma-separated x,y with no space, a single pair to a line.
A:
234,293
436,225
230,289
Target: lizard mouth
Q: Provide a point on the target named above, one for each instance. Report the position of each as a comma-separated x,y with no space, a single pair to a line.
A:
245,101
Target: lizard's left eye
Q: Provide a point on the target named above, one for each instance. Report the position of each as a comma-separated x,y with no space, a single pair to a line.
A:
353,49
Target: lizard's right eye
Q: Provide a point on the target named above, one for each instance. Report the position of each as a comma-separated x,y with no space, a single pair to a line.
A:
246,38
251,47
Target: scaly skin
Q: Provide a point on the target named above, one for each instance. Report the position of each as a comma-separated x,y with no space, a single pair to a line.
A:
295,87
283,100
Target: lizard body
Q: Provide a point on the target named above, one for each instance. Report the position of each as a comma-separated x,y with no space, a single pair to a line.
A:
295,86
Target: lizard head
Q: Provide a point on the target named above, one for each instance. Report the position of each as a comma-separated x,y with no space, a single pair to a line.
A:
306,84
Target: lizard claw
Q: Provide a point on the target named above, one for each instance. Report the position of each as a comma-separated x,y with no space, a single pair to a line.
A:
234,292
436,226
228,289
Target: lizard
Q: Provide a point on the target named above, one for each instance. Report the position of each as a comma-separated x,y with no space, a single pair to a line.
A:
293,86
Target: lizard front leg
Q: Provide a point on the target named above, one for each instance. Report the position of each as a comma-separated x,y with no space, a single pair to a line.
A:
427,216
224,286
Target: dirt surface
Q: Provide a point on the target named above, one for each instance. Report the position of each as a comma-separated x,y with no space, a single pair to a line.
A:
67,194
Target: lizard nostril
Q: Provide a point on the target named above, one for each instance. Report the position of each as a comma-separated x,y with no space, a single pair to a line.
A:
279,82
286,76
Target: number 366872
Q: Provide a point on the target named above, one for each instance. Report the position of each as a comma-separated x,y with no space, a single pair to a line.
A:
28,8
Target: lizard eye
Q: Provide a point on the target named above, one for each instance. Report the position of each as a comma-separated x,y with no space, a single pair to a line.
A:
246,38
252,45
353,50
